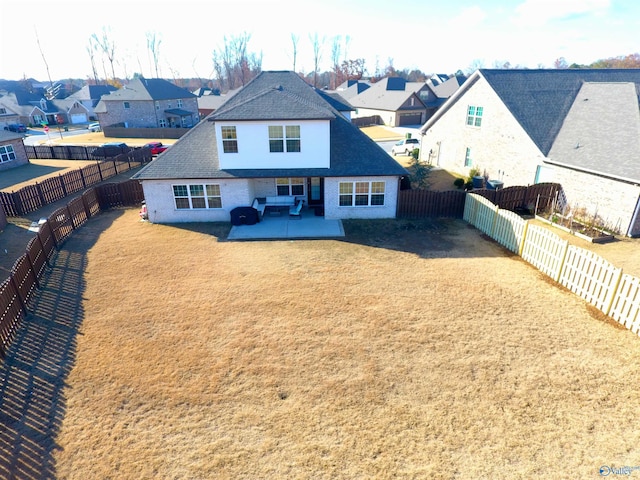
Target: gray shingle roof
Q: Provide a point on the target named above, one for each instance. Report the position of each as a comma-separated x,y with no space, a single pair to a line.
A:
195,155
601,132
149,89
541,99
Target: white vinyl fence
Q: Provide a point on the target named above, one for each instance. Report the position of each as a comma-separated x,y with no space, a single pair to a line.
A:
583,272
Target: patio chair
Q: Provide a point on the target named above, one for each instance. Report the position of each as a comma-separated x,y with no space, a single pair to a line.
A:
294,212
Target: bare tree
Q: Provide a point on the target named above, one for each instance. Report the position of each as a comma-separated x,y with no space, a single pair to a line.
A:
560,63
316,46
335,61
233,63
153,44
91,50
108,48
294,41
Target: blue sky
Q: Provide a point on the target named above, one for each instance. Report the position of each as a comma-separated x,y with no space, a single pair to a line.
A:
433,36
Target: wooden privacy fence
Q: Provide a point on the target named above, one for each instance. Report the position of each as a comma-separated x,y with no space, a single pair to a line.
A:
583,272
17,291
32,197
428,203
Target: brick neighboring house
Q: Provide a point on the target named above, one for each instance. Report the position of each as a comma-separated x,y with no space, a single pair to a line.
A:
12,151
579,128
148,103
277,136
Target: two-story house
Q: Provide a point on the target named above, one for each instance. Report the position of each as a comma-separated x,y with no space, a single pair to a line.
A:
277,136
576,127
148,103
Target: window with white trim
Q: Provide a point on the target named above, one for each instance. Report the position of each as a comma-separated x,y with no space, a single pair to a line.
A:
162,123
39,119
360,194
229,139
467,158
197,196
179,103
474,116
157,105
7,153
281,137
290,186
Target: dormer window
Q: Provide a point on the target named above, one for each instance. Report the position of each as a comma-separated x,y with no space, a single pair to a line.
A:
43,105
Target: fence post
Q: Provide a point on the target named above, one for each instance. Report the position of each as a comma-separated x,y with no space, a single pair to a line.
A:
613,293
23,305
561,264
524,238
495,220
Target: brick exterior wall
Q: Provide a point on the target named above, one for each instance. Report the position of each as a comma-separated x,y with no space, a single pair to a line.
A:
241,192
500,148
143,113
21,155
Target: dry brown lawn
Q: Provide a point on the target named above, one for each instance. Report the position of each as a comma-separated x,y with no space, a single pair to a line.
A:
405,350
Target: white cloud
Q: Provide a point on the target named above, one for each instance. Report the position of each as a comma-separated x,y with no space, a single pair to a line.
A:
540,12
468,17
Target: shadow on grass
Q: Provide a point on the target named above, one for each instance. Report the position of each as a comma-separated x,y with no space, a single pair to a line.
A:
25,173
33,375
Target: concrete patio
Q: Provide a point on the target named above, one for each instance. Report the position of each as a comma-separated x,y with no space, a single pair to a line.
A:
274,226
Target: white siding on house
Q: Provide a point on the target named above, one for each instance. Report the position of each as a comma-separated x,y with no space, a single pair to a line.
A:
499,147
253,146
333,210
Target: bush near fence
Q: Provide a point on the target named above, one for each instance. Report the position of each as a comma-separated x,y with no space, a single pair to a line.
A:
17,291
33,197
583,272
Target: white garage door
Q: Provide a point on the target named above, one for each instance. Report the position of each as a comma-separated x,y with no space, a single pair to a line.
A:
78,118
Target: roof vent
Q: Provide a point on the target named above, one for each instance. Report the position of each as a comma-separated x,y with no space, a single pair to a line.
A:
279,88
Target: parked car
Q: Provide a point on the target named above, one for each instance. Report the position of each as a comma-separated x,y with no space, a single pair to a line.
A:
156,147
111,149
405,146
94,127
16,127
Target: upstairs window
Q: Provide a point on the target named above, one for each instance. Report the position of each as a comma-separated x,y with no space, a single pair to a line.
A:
179,103
126,105
276,139
157,105
284,137
229,140
474,116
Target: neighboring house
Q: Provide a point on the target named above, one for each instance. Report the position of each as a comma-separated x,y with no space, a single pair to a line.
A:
88,96
7,116
209,102
578,128
351,88
276,136
148,103
32,108
393,100
12,151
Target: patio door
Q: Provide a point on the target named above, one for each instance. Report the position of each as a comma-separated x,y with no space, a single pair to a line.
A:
315,191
